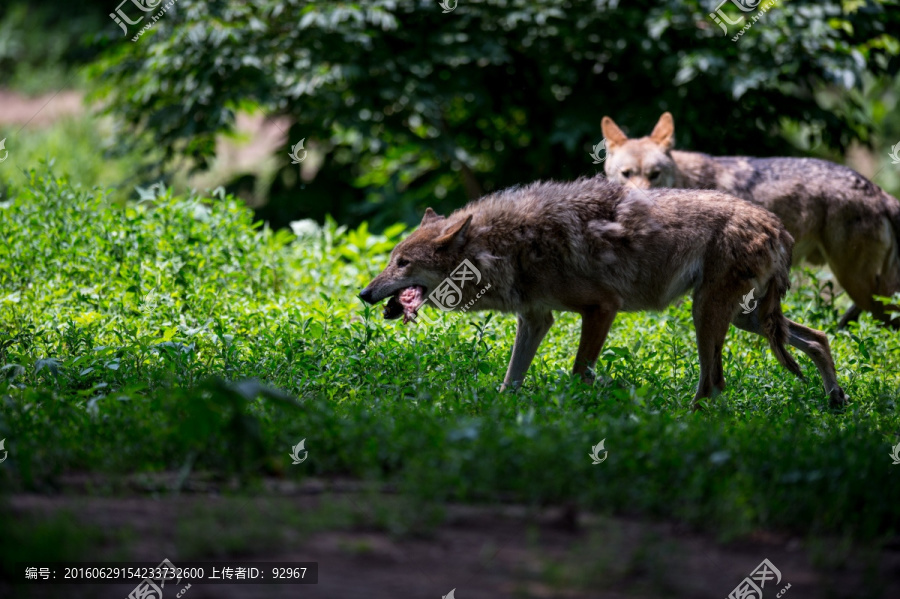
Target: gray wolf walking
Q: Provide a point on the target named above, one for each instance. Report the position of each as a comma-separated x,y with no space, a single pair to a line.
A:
596,248
835,215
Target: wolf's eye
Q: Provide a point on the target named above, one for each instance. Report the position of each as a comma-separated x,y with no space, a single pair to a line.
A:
627,173
653,175
402,262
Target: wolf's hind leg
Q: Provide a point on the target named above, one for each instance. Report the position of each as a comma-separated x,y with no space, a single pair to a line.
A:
815,345
888,314
862,292
595,323
851,315
869,272
531,329
712,317
811,342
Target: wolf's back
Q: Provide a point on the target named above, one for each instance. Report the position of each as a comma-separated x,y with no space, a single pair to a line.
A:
767,180
584,199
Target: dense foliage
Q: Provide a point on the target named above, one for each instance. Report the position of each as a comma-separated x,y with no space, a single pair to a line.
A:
42,43
175,334
410,106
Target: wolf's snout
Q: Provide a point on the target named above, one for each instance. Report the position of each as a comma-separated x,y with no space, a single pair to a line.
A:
366,296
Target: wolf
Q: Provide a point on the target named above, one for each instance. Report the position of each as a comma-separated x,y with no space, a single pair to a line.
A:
597,248
835,215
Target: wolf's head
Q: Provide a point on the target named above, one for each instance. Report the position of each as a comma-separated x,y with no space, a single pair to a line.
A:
644,162
419,264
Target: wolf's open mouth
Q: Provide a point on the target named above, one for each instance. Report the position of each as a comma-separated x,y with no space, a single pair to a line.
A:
406,303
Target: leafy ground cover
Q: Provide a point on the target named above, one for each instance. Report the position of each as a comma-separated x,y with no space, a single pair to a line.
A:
176,335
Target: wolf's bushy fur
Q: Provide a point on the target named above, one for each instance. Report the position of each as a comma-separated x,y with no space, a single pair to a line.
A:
597,248
835,215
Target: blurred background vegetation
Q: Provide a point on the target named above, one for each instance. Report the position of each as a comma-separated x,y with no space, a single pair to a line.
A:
402,106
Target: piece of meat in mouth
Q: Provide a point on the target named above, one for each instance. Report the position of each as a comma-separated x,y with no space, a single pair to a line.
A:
406,303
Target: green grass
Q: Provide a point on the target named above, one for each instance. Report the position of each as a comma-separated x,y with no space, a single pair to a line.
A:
80,146
176,334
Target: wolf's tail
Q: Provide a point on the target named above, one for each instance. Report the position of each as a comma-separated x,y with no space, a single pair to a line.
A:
893,208
774,323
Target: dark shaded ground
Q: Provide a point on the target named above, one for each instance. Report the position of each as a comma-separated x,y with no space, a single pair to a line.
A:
375,545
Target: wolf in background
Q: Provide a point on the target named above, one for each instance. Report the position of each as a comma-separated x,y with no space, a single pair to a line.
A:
596,248
835,215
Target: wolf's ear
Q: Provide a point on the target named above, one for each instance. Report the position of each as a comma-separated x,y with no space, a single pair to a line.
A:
664,132
454,233
611,133
430,215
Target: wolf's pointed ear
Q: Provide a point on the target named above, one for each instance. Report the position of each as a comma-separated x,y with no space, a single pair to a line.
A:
664,132
611,133
454,233
430,215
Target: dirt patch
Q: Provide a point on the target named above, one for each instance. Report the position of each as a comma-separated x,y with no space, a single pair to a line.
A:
251,149
39,111
366,547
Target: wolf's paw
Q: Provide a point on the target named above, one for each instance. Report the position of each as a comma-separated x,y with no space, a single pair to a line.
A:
511,387
839,399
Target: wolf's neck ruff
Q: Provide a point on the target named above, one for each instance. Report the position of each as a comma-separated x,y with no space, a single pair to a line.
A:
695,170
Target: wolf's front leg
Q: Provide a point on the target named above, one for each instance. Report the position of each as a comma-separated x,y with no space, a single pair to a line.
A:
595,323
531,330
